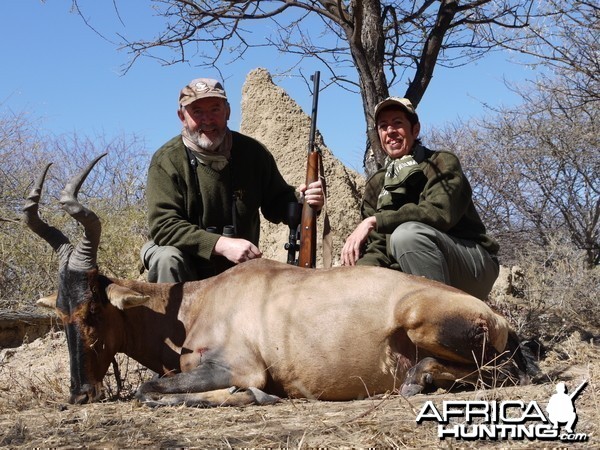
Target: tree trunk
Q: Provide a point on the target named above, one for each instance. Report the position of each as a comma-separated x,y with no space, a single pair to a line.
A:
431,49
17,327
367,46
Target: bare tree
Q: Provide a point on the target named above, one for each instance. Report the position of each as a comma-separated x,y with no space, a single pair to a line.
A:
536,174
535,168
366,46
563,41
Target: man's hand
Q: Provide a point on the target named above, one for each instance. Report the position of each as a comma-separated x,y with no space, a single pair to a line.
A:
355,242
236,250
313,194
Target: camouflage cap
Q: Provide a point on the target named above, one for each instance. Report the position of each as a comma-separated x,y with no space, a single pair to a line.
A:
201,88
403,103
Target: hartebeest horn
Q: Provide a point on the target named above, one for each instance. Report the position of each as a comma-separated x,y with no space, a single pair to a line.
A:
59,242
84,255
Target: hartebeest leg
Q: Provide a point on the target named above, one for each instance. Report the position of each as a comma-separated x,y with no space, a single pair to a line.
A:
465,342
431,372
220,397
209,384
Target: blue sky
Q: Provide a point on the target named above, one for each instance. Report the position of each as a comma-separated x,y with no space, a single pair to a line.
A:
66,78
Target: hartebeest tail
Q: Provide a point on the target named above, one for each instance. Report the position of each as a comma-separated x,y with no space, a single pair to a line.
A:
264,329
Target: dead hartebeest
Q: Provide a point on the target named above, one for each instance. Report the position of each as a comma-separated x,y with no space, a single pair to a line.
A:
266,328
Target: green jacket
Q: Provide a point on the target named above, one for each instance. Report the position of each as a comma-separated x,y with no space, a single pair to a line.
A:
185,197
443,200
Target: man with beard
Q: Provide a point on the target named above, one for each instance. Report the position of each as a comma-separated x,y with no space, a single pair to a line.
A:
205,188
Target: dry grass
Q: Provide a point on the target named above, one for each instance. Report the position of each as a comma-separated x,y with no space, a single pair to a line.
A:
34,388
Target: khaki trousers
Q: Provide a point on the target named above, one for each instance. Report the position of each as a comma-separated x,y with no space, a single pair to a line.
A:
423,250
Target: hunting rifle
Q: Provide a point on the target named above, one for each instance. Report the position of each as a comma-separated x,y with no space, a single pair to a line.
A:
308,221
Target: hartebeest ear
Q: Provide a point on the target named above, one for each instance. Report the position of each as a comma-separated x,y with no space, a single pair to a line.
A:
48,301
123,298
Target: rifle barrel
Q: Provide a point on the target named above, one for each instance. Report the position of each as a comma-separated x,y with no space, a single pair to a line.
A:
307,255
313,116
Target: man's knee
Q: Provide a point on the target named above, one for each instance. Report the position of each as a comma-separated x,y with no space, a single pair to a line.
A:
146,253
153,254
414,247
166,264
170,256
410,237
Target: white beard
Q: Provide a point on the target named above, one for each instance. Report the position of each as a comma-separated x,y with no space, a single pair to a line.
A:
204,142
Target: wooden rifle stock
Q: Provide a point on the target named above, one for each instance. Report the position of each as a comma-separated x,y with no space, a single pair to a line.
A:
308,224
307,255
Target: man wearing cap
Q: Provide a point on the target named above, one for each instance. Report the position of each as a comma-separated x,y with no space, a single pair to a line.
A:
205,189
418,211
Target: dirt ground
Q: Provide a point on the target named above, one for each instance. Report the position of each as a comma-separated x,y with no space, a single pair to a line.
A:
34,413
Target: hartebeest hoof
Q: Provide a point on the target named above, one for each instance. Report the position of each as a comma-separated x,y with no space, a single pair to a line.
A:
426,374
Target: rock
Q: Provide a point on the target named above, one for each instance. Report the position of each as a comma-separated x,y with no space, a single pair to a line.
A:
272,117
510,282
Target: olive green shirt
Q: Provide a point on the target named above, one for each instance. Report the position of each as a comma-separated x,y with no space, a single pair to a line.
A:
443,201
185,197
